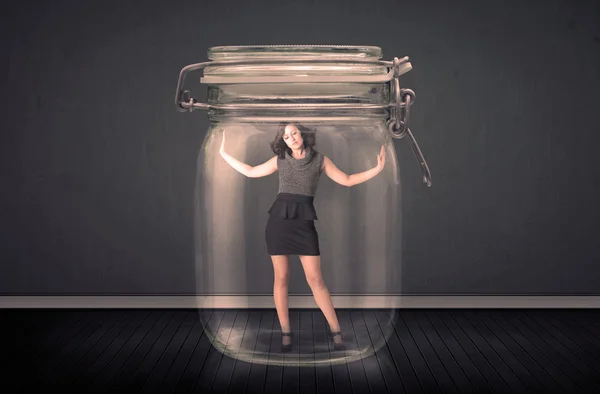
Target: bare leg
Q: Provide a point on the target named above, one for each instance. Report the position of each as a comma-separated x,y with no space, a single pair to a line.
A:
312,270
281,268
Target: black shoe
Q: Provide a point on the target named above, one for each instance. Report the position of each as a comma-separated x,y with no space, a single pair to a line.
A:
337,340
286,347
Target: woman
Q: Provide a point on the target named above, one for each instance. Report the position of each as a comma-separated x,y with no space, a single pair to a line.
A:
290,229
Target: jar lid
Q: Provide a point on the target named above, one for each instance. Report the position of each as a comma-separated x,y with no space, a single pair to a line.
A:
260,64
284,51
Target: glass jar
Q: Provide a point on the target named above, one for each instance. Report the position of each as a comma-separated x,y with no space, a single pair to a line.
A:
352,102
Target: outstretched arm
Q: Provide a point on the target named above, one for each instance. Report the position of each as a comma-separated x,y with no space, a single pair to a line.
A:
267,168
344,179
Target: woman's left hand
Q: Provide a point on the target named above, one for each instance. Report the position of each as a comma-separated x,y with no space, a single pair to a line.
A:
381,158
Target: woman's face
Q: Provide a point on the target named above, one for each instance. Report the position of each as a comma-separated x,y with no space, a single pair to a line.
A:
292,137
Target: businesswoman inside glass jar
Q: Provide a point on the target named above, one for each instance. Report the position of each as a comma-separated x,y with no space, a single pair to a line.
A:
290,228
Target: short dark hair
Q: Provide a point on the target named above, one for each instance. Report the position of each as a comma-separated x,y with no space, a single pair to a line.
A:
279,146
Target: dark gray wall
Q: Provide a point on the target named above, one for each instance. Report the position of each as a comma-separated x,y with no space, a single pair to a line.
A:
98,168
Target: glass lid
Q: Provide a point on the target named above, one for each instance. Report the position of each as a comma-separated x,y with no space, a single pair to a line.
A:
221,53
299,63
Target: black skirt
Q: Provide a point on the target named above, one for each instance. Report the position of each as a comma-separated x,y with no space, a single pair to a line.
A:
291,229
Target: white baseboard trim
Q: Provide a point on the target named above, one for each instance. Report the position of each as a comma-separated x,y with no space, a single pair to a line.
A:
299,301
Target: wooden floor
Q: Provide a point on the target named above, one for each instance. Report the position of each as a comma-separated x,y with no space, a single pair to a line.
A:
429,351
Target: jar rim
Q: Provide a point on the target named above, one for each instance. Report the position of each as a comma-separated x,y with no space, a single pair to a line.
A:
303,51
273,64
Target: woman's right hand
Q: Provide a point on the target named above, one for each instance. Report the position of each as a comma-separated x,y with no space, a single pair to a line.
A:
381,158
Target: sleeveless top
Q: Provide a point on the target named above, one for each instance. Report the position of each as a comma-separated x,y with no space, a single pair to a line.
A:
300,176
298,181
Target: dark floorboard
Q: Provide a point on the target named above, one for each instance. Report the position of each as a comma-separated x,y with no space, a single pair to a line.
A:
427,351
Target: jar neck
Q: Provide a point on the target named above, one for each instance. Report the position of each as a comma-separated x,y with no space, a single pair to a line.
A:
290,94
308,115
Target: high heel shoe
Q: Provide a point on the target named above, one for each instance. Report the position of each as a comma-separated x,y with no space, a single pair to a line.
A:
337,339
286,347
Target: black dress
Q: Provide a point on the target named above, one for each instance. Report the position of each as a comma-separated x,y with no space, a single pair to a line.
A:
290,229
